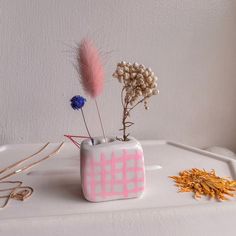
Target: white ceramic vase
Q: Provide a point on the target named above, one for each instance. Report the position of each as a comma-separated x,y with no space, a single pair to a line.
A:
112,170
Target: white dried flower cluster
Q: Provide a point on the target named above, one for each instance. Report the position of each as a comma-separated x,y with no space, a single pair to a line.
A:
138,81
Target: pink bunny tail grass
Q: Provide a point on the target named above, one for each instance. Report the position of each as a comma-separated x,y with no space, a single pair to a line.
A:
90,68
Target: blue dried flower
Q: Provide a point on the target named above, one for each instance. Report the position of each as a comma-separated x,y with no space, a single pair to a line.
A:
77,102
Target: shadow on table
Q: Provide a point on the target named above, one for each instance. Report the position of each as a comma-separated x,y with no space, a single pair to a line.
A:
59,184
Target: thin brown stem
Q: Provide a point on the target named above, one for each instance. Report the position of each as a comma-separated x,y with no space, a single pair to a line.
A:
126,112
125,115
131,108
122,97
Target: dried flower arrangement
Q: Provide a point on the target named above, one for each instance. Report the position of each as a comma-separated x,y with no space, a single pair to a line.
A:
201,182
139,84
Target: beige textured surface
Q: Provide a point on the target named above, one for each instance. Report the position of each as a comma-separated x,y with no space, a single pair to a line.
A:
190,44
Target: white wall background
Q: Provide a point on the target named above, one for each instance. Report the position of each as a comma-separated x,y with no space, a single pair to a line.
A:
190,44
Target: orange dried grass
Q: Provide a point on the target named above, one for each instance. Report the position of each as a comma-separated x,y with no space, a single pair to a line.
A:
203,183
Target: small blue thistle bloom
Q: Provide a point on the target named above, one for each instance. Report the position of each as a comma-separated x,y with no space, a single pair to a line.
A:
77,102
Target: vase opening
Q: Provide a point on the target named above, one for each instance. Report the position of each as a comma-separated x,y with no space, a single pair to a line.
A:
98,141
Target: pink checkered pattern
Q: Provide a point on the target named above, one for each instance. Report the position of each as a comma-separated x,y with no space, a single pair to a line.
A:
114,177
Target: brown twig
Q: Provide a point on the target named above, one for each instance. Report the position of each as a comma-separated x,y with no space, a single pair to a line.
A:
131,108
126,113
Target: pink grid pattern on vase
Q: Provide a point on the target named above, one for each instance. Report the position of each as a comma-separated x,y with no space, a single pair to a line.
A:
114,177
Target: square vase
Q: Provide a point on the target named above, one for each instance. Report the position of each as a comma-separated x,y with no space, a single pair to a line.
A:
112,170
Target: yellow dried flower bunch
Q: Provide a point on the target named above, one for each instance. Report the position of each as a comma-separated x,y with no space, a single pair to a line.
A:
201,182
139,84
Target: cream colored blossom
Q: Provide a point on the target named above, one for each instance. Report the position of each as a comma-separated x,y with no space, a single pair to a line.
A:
139,82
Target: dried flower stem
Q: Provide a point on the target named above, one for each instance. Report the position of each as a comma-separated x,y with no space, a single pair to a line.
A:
100,119
125,104
126,113
85,123
124,122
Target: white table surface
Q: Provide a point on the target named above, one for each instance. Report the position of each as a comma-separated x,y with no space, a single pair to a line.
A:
58,208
